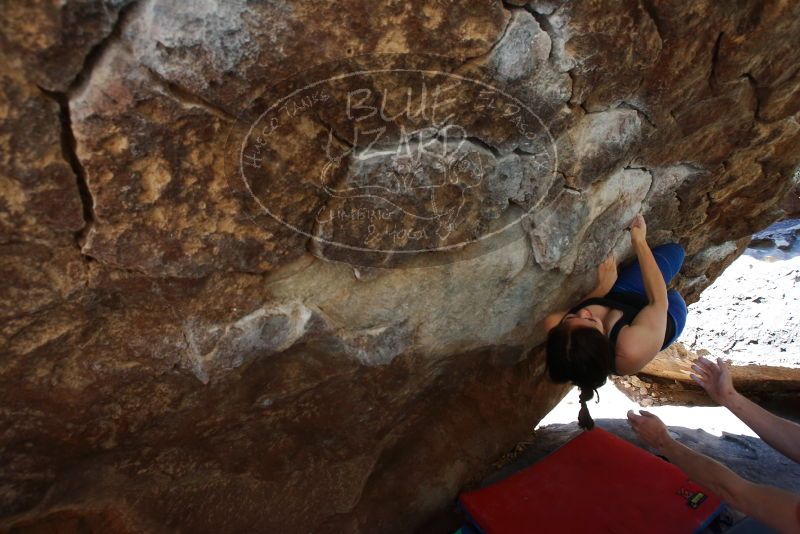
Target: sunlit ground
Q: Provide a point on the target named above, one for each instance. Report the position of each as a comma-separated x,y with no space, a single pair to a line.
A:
614,405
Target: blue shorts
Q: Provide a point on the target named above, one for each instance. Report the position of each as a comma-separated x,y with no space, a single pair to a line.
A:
669,258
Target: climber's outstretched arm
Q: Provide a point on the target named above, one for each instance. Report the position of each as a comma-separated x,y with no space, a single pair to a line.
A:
653,280
639,342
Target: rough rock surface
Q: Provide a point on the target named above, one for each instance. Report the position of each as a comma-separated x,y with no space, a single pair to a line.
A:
176,357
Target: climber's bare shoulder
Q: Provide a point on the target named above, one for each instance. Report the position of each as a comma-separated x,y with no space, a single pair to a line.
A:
552,320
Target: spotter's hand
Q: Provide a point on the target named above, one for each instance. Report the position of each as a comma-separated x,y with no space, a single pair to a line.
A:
649,428
715,378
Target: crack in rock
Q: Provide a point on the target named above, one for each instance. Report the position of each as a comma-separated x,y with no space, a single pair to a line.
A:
652,12
70,155
712,74
68,141
185,97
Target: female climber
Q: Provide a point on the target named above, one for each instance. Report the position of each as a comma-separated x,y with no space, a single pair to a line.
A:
621,325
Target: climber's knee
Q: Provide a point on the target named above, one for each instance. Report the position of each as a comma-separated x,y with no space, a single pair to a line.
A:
679,251
678,310
673,250
669,258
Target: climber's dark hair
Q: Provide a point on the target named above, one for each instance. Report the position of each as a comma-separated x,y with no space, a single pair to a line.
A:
583,356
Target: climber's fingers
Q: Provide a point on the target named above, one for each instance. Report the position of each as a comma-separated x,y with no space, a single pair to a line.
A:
637,221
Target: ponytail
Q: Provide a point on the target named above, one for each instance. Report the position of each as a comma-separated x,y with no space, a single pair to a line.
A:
585,420
583,356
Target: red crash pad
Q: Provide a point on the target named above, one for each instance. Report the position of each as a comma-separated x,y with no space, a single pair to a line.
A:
595,483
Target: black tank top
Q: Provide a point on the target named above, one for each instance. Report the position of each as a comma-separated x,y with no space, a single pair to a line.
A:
630,304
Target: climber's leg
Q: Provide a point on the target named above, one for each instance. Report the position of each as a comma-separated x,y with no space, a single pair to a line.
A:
669,258
678,311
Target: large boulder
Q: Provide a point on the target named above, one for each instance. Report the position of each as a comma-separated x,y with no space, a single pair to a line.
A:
219,315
